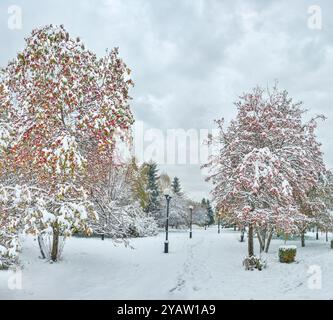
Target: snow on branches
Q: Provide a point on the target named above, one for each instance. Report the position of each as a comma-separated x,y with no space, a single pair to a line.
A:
267,161
62,97
179,211
62,110
119,215
34,211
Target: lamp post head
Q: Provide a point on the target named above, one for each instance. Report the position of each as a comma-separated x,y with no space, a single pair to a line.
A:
167,193
190,207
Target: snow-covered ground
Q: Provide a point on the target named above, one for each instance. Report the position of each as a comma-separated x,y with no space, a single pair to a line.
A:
207,267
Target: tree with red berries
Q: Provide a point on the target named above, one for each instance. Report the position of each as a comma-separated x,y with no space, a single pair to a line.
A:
62,109
268,160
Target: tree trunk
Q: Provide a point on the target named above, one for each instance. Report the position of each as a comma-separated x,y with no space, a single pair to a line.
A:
269,241
263,237
317,234
303,239
250,241
242,235
261,244
326,236
55,244
286,237
103,237
235,227
41,246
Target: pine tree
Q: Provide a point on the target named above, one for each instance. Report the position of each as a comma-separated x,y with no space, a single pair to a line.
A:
210,213
152,187
175,186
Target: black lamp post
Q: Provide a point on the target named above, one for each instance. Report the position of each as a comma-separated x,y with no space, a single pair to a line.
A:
191,220
166,242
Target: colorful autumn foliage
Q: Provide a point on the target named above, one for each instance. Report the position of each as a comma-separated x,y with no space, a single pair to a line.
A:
268,160
62,109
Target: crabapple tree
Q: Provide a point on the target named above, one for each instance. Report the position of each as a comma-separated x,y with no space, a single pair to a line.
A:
266,162
64,109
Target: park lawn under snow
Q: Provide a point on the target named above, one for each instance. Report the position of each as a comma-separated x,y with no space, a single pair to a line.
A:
207,267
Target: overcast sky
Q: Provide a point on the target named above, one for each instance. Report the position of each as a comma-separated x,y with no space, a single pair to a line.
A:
191,59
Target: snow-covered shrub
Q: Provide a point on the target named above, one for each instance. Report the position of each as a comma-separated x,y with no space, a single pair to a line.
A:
253,262
287,254
133,220
34,211
179,213
9,229
140,225
8,252
120,216
9,243
200,214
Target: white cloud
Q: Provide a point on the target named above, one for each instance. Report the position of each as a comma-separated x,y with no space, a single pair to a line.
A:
192,58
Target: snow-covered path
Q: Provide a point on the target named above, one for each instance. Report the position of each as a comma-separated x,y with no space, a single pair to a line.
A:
205,267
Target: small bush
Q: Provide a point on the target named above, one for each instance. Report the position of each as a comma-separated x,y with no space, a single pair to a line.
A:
253,262
6,262
3,267
8,257
287,254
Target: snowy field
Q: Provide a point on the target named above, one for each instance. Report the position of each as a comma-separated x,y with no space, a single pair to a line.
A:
206,267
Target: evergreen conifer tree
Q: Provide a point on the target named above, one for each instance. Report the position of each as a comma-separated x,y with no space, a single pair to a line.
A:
175,186
152,187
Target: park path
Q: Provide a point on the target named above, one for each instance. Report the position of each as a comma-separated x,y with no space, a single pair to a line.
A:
209,266
202,266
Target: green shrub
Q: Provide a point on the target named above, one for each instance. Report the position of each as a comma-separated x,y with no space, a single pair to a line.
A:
287,254
3,267
253,262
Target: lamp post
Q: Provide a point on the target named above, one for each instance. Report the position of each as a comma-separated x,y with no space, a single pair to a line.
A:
166,242
191,220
